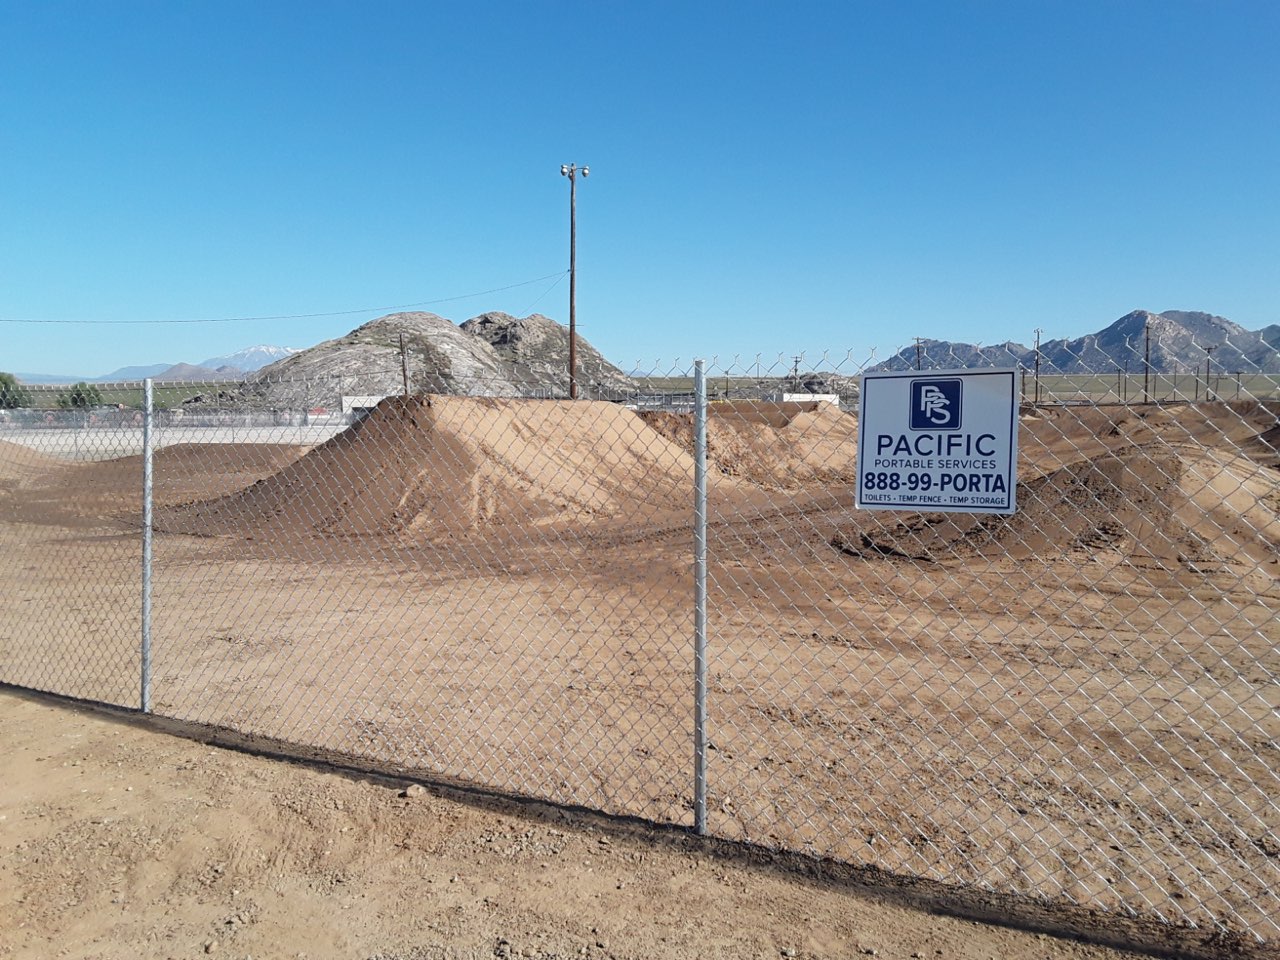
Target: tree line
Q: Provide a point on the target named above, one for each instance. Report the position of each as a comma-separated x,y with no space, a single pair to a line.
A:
79,396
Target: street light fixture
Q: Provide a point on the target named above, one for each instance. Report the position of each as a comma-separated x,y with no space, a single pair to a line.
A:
571,170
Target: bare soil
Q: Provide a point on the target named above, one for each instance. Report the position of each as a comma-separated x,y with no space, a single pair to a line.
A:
117,840
1079,705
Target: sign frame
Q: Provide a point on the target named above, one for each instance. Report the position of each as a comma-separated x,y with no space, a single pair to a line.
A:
957,453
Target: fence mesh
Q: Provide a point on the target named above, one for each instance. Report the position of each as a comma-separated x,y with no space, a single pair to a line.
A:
1079,703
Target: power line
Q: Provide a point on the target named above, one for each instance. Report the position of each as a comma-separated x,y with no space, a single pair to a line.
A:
559,275
559,280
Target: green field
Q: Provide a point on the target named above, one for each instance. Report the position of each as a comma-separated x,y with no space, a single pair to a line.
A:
45,396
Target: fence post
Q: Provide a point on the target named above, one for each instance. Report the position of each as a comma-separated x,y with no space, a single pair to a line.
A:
699,597
148,405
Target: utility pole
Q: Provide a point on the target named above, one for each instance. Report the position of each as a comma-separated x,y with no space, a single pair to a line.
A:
404,367
1208,372
571,171
795,374
919,341
1038,332
1146,360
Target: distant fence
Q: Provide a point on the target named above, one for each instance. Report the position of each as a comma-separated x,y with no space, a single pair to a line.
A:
665,606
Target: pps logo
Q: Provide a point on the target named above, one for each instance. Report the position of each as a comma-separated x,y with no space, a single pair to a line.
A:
935,404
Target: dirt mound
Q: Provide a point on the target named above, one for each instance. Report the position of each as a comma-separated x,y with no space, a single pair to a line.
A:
185,470
443,466
1180,506
1058,436
778,445
18,462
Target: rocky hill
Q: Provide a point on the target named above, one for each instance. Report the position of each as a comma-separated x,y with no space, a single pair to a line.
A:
537,348
1178,342
493,355
947,354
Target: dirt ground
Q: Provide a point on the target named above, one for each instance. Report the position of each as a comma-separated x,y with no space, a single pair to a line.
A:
1078,705
120,841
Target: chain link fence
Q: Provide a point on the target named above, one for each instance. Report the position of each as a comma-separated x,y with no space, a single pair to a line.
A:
1078,704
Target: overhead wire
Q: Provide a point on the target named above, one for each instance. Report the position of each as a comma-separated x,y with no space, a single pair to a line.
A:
543,295
558,276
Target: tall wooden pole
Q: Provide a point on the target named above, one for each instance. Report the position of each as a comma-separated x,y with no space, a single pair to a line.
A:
404,367
573,285
571,170
1146,364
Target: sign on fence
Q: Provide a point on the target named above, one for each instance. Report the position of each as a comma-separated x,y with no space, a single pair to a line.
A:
942,441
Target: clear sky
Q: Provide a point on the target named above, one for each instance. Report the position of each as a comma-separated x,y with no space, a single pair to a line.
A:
765,177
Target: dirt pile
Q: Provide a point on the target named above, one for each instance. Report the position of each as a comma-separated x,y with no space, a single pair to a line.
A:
444,466
1152,504
1057,436
777,445
18,463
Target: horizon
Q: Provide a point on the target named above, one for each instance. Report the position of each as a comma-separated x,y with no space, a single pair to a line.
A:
778,361
841,181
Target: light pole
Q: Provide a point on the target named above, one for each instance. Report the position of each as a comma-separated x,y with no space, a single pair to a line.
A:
571,170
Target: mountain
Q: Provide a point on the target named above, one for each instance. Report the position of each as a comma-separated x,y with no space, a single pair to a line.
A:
250,358
48,378
537,348
1178,339
189,371
135,373
945,354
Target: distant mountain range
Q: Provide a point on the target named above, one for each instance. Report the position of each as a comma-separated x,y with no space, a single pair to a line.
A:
1179,340
495,352
232,366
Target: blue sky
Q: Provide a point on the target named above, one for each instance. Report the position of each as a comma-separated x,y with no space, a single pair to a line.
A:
766,178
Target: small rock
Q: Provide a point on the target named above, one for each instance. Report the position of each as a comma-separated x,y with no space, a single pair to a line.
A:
211,946
788,952
413,790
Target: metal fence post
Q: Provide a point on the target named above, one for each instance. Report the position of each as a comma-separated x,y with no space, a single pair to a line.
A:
699,597
148,406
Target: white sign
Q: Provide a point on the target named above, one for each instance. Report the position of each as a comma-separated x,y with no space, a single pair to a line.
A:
942,440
